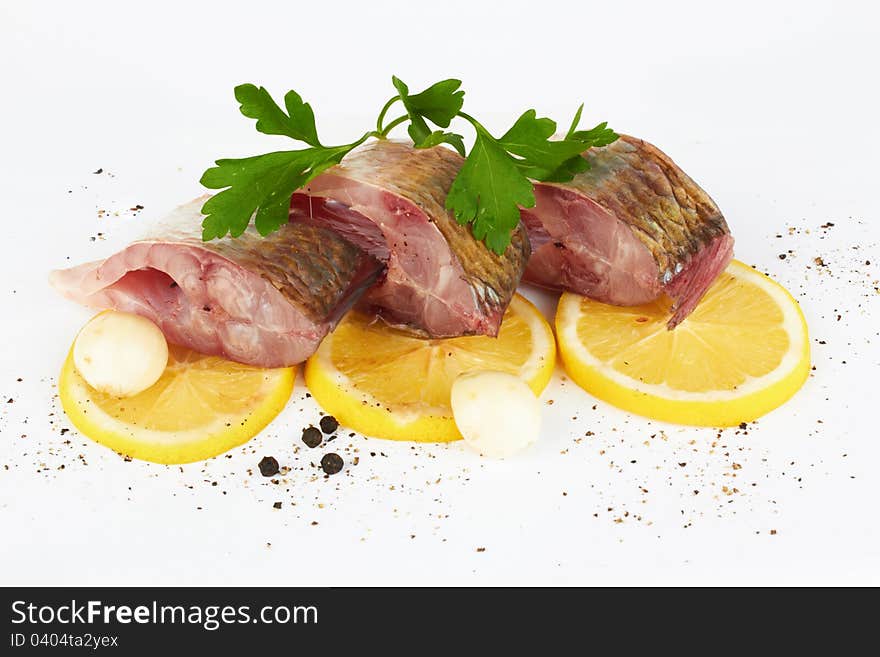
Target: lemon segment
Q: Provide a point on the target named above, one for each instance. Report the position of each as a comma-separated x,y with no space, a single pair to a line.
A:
201,406
386,383
743,351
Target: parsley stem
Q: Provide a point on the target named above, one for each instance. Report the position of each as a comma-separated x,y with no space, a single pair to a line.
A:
467,117
350,147
382,114
396,122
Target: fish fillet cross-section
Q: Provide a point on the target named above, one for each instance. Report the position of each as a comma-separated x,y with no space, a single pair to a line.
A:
632,227
388,198
260,301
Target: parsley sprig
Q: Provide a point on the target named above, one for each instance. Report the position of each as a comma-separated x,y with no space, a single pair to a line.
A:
487,192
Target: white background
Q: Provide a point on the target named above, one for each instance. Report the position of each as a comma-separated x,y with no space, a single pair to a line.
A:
772,107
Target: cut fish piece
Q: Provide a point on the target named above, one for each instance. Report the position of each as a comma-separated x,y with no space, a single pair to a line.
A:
630,228
388,198
265,301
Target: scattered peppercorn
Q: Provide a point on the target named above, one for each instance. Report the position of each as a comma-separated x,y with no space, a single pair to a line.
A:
329,424
312,437
331,463
277,505
269,466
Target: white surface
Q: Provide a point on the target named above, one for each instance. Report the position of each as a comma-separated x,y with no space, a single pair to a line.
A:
772,107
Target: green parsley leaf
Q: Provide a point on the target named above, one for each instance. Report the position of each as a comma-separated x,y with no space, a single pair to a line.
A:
488,191
562,173
439,137
575,121
530,139
581,140
439,104
494,181
601,135
298,123
260,187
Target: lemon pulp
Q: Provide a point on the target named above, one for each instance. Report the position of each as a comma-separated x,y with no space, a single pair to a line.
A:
386,383
741,353
201,406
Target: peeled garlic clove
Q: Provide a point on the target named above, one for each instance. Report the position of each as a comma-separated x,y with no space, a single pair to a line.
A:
496,412
120,353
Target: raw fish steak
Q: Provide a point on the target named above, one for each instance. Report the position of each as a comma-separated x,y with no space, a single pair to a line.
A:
388,199
630,228
266,301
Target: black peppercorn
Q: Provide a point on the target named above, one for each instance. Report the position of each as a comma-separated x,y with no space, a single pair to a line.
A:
329,424
269,466
332,463
312,437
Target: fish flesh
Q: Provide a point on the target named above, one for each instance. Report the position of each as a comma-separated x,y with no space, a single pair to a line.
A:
388,198
265,301
632,227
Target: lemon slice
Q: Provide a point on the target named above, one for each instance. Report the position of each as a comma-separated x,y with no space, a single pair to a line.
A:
201,406
740,354
385,383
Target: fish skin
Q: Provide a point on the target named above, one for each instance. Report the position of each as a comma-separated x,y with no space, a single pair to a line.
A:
312,267
640,185
628,229
385,180
260,301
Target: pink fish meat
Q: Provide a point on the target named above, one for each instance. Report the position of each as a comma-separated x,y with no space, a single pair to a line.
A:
388,199
265,301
